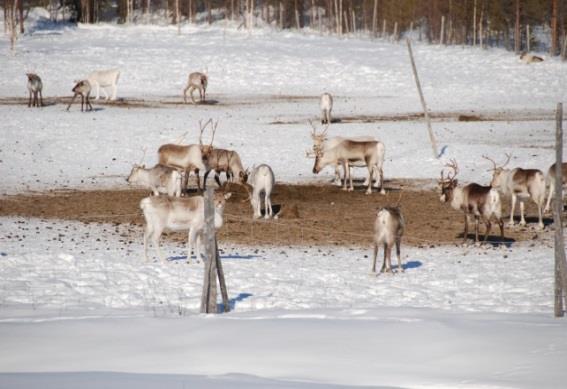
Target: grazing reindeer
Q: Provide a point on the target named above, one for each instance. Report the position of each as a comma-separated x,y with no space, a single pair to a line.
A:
82,88
550,180
227,161
35,87
104,79
347,151
261,180
388,230
481,202
530,58
320,141
196,80
188,157
159,179
178,214
326,107
520,184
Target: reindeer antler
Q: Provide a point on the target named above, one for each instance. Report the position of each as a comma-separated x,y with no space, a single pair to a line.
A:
144,149
214,127
452,165
314,131
202,128
508,157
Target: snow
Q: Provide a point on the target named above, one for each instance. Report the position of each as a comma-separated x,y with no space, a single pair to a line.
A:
80,307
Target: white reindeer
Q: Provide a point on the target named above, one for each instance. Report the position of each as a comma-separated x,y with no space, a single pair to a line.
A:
550,181
481,202
104,79
388,230
261,180
159,179
82,88
321,142
179,214
199,81
521,184
35,87
326,105
188,158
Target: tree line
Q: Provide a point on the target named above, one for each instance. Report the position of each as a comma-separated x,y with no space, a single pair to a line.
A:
517,25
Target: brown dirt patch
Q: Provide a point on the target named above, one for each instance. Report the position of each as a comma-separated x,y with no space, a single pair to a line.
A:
310,215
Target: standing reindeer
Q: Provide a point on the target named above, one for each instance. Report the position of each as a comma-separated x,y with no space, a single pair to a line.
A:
321,142
104,79
388,230
35,87
159,179
481,202
179,214
326,105
82,88
262,181
550,180
196,80
521,184
227,161
188,158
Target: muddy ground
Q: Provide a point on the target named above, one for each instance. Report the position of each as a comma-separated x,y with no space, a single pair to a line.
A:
318,214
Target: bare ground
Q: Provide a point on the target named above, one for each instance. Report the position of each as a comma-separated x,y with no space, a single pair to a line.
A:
308,215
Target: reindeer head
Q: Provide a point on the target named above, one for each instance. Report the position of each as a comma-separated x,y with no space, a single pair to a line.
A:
497,171
243,176
82,86
318,144
449,183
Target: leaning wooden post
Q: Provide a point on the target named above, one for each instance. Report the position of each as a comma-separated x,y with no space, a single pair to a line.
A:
560,264
209,295
222,283
423,104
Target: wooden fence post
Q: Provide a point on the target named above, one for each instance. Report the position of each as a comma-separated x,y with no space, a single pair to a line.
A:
423,104
560,264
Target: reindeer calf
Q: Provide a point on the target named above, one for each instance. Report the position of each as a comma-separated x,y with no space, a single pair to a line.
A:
35,87
388,230
178,214
262,181
159,179
227,161
198,81
326,105
82,88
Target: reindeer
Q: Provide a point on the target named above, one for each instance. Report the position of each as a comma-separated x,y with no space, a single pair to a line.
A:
520,184
388,230
159,179
82,88
530,58
481,202
179,214
347,151
326,107
104,79
35,87
196,80
227,161
320,141
550,181
261,180
188,158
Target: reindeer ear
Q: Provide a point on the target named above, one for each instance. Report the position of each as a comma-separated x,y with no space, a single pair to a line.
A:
455,182
227,195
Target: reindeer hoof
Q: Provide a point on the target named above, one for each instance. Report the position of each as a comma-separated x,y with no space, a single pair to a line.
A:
343,188
382,192
368,192
350,189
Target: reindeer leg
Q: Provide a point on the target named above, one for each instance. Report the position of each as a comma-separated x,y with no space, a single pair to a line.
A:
488,228
30,100
41,98
351,187
217,179
72,100
185,94
513,209
155,241
388,258
191,90
501,225
398,254
147,235
374,256
476,223
466,233
345,175
522,219
384,269
82,102
551,191
370,174
191,236
89,105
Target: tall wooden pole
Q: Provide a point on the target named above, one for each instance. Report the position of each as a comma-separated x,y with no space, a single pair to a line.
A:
209,295
560,264
517,32
423,104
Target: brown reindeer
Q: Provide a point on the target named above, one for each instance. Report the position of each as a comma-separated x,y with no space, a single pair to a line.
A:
82,88
35,87
481,202
388,230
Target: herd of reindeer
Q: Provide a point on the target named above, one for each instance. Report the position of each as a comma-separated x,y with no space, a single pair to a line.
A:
178,212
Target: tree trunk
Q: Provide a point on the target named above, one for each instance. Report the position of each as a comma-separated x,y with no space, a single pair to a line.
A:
21,15
374,18
474,24
517,36
554,32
